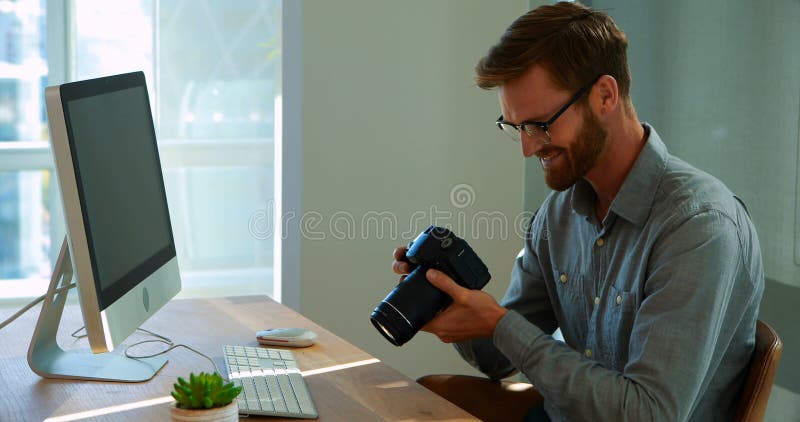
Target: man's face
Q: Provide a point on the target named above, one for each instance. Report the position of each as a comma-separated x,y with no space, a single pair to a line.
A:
578,157
577,138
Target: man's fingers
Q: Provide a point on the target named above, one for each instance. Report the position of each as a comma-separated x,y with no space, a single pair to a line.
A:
400,267
399,254
444,283
441,332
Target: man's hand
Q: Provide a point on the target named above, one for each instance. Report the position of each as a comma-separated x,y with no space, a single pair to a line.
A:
400,265
473,313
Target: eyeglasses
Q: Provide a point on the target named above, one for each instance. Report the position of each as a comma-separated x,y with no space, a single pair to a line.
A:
539,130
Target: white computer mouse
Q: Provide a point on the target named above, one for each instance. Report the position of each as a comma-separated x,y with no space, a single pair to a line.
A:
290,337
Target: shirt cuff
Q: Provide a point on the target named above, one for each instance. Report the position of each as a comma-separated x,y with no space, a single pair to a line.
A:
514,336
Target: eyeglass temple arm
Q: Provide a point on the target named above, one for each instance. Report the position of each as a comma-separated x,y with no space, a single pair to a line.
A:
572,101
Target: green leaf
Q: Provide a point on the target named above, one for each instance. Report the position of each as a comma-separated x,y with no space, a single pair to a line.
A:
177,397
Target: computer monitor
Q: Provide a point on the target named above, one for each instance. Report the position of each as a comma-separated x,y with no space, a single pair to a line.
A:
119,237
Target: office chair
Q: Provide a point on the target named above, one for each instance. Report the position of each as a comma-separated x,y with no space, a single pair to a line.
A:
755,392
507,401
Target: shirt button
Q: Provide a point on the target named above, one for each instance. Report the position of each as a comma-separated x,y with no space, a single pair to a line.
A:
619,300
600,242
588,353
563,278
597,300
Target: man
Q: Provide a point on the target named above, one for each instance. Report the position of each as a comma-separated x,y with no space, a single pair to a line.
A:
650,267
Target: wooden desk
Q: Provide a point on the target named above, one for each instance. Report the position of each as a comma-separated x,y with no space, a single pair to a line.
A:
366,392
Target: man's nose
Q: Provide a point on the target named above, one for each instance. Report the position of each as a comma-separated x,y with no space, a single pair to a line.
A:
530,145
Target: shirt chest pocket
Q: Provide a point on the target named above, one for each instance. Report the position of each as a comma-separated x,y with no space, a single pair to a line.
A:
619,314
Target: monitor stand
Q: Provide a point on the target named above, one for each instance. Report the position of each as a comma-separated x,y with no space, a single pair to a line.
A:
49,360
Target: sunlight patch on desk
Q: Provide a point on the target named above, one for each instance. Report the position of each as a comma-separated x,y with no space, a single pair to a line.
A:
339,367
396,384
111,409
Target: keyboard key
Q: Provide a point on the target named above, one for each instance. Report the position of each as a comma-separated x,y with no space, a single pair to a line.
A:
303,398
280,405
262,390
267,406
253,404
288,393
272,386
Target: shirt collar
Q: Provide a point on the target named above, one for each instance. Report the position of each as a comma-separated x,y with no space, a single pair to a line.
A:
635,197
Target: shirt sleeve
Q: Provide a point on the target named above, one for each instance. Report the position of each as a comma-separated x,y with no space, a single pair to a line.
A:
527,296
696,292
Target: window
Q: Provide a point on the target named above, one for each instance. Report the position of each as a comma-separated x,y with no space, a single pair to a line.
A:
213,71
26,196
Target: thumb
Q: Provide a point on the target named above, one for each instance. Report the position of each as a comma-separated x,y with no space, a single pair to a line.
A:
444,283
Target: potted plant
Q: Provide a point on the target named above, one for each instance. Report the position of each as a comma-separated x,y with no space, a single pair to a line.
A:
205,397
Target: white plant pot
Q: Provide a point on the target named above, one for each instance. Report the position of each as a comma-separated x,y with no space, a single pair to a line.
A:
229,413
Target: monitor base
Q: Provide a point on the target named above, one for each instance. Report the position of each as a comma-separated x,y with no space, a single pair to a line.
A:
49,360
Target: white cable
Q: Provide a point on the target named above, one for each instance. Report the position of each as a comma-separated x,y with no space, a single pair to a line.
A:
168,342
171,347
31,305
161,339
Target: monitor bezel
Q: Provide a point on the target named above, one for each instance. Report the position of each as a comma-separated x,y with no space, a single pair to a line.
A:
109,325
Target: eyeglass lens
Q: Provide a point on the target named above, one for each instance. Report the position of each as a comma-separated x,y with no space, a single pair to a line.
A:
532,130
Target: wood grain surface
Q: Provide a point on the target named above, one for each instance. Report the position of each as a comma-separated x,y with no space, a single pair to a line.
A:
368,391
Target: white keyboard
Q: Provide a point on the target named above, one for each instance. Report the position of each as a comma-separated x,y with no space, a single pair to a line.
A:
271,382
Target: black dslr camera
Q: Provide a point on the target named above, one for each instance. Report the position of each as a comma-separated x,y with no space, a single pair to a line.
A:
415,301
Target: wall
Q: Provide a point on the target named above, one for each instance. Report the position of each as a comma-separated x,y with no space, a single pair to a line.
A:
392,125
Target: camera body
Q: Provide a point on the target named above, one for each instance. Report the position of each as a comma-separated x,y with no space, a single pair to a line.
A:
415,301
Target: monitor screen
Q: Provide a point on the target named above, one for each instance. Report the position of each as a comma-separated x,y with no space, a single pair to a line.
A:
120,187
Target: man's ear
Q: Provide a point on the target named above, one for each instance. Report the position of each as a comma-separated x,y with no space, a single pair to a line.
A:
604,96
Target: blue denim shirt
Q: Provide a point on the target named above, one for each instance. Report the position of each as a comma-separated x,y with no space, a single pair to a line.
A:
657,305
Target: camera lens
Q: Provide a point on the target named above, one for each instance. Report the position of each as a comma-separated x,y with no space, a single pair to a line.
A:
408,307
386,333
392,324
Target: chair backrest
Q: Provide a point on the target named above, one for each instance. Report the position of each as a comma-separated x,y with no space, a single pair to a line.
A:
757,386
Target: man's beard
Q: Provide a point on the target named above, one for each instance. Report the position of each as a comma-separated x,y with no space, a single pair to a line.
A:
581,155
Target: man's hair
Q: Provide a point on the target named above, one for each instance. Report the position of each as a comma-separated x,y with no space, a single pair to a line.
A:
574,43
